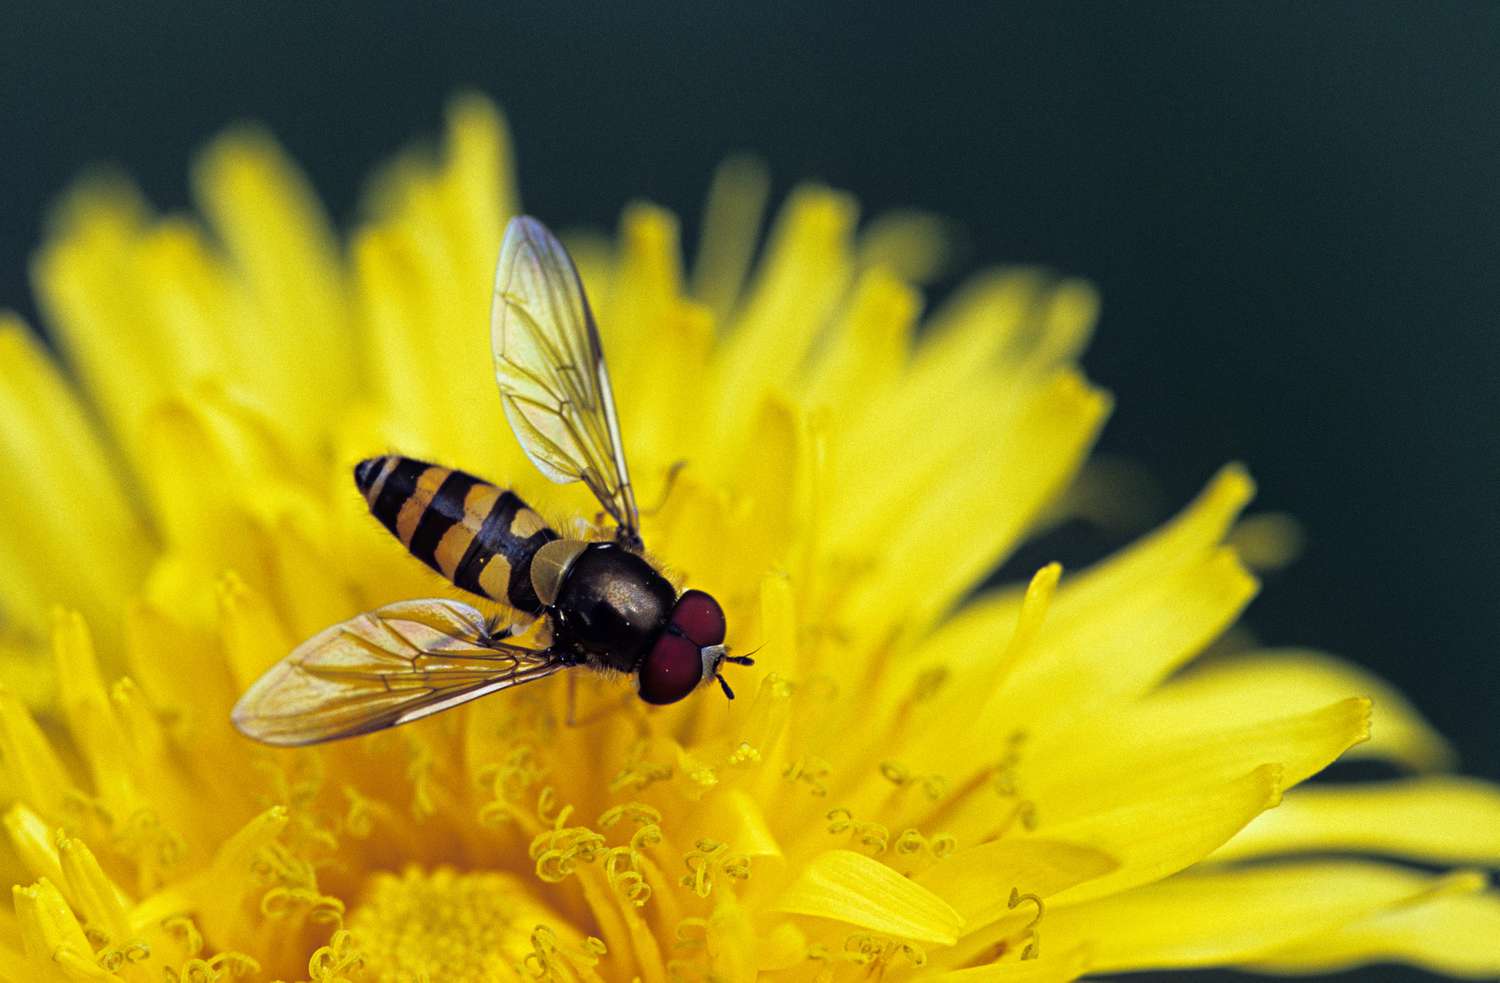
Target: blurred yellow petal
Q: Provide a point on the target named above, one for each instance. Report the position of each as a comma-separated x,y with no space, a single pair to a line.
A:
914,245
252,634
477,187
989,318
1456,934
731,224
27,674
78,537
90,717
867,348
802,275
87,289
287,265
1268,541
1233,916
1436,819
33,773
14,967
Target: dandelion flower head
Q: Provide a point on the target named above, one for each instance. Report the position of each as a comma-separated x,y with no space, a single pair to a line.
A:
1033,782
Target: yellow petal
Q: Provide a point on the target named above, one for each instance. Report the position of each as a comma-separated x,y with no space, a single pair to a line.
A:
99,901
1016,464
52,934
1066,322
694,523
403,368
648,287
736,818
283,250
310,587
139,725
217,890
26,671
985,321
253,636
35,842
1440,819
79,539
1231,916
477,186
916,246
968,637
778,618
1137,764
90,716
86,284
772,488
14,967
731,225
1086,661
658,346
1300,680
965,649
731,943
1268,541
405,276
1156,837
1455,934
852,888
1198,527
179,684
193,486
868,346
33,772
193,316
803,275
1110,586
977,882
783,947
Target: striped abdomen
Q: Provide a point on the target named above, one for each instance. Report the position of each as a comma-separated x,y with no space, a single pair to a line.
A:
477,535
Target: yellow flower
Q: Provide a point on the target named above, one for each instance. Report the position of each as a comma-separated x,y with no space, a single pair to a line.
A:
1033,782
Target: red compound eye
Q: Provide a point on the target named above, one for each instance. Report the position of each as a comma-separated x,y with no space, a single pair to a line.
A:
671,670
698,616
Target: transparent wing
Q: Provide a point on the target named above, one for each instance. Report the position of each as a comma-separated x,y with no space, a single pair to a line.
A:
550,366
386,667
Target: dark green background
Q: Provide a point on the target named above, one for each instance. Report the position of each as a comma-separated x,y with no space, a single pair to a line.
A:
1291,209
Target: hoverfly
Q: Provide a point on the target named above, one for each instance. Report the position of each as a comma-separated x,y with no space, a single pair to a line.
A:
606,607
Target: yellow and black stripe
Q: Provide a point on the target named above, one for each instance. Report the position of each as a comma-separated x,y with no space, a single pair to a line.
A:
477,535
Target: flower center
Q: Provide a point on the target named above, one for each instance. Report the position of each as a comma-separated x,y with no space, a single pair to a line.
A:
458,927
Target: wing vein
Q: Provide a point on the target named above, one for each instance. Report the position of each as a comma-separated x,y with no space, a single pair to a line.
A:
551,371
